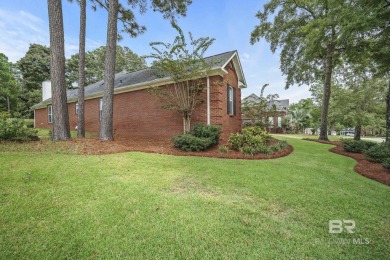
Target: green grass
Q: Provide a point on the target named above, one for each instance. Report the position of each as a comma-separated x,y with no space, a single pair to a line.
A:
57,205
45,133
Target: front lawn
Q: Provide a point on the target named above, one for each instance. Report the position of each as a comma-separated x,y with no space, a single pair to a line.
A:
56,205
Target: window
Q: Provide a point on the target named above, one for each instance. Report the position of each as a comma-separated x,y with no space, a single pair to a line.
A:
231,100
100,108
279,121
77,108
50,114
271,121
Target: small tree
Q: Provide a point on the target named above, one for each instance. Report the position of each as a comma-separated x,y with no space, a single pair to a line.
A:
260,111
187,69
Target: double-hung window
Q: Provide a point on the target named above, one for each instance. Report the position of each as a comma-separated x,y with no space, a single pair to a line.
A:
50,114
100,108
231,100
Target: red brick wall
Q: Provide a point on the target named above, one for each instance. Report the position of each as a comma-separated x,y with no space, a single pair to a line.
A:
139,113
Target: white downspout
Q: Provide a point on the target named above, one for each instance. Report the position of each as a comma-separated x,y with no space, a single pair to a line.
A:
208,101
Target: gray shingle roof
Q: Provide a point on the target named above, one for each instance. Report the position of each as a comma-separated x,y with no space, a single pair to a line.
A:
281,104
133,78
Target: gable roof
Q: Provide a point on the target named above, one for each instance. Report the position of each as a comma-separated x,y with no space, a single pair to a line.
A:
281,104
129,81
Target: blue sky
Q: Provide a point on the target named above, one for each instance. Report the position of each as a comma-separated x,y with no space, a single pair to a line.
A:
230,22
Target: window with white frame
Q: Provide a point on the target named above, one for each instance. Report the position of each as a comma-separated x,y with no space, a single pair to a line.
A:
231,94
100,108
279,121
50,114
77,108
271,121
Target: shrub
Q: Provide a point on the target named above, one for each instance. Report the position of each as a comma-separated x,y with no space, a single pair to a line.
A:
14,129
253,140
236,141
191,143
247,150
386,163
354,146
378,153
207,131
223,149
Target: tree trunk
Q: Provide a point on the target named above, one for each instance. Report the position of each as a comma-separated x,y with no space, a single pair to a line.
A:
327,92
8,106
106,123
61,129
186,123
388,114
358,132
80,101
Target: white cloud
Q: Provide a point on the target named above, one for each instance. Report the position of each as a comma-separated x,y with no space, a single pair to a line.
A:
20,28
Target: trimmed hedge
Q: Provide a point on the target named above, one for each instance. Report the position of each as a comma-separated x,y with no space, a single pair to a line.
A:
200,138
207,131
378,153
354,146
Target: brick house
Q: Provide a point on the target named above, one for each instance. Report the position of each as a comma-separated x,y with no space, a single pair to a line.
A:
275,121
138,113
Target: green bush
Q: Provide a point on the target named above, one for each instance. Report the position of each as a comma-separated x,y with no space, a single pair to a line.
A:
247,150
386,163
191,143
236,141
378,153
200,138
207,131
223,149
14,129
253,140
248,132
354,146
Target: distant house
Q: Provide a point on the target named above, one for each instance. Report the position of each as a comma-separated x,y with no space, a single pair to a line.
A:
138,113
274,122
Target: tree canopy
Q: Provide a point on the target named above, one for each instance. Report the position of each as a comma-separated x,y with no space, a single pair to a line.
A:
8,86
126,60
313,36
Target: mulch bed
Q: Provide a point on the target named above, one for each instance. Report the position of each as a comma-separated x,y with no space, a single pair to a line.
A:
371,170
95,146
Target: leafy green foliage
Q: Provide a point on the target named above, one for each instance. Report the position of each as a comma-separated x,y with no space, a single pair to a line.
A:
126,60
8,86
223,149
354,146
386,163
200,138
254,140
257,113
207,131
236,141
191,143
33,69
188,70
13,129
378,153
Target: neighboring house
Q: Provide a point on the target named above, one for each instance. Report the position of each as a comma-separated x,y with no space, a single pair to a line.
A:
275,121
138,113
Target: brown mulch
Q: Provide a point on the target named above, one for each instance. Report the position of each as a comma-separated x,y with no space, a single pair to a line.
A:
371,170
95,146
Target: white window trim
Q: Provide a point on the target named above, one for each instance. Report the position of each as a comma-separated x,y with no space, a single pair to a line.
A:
50,114
231,101
100,108
77,108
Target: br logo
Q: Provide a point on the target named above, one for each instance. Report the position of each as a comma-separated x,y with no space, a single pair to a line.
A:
338,226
